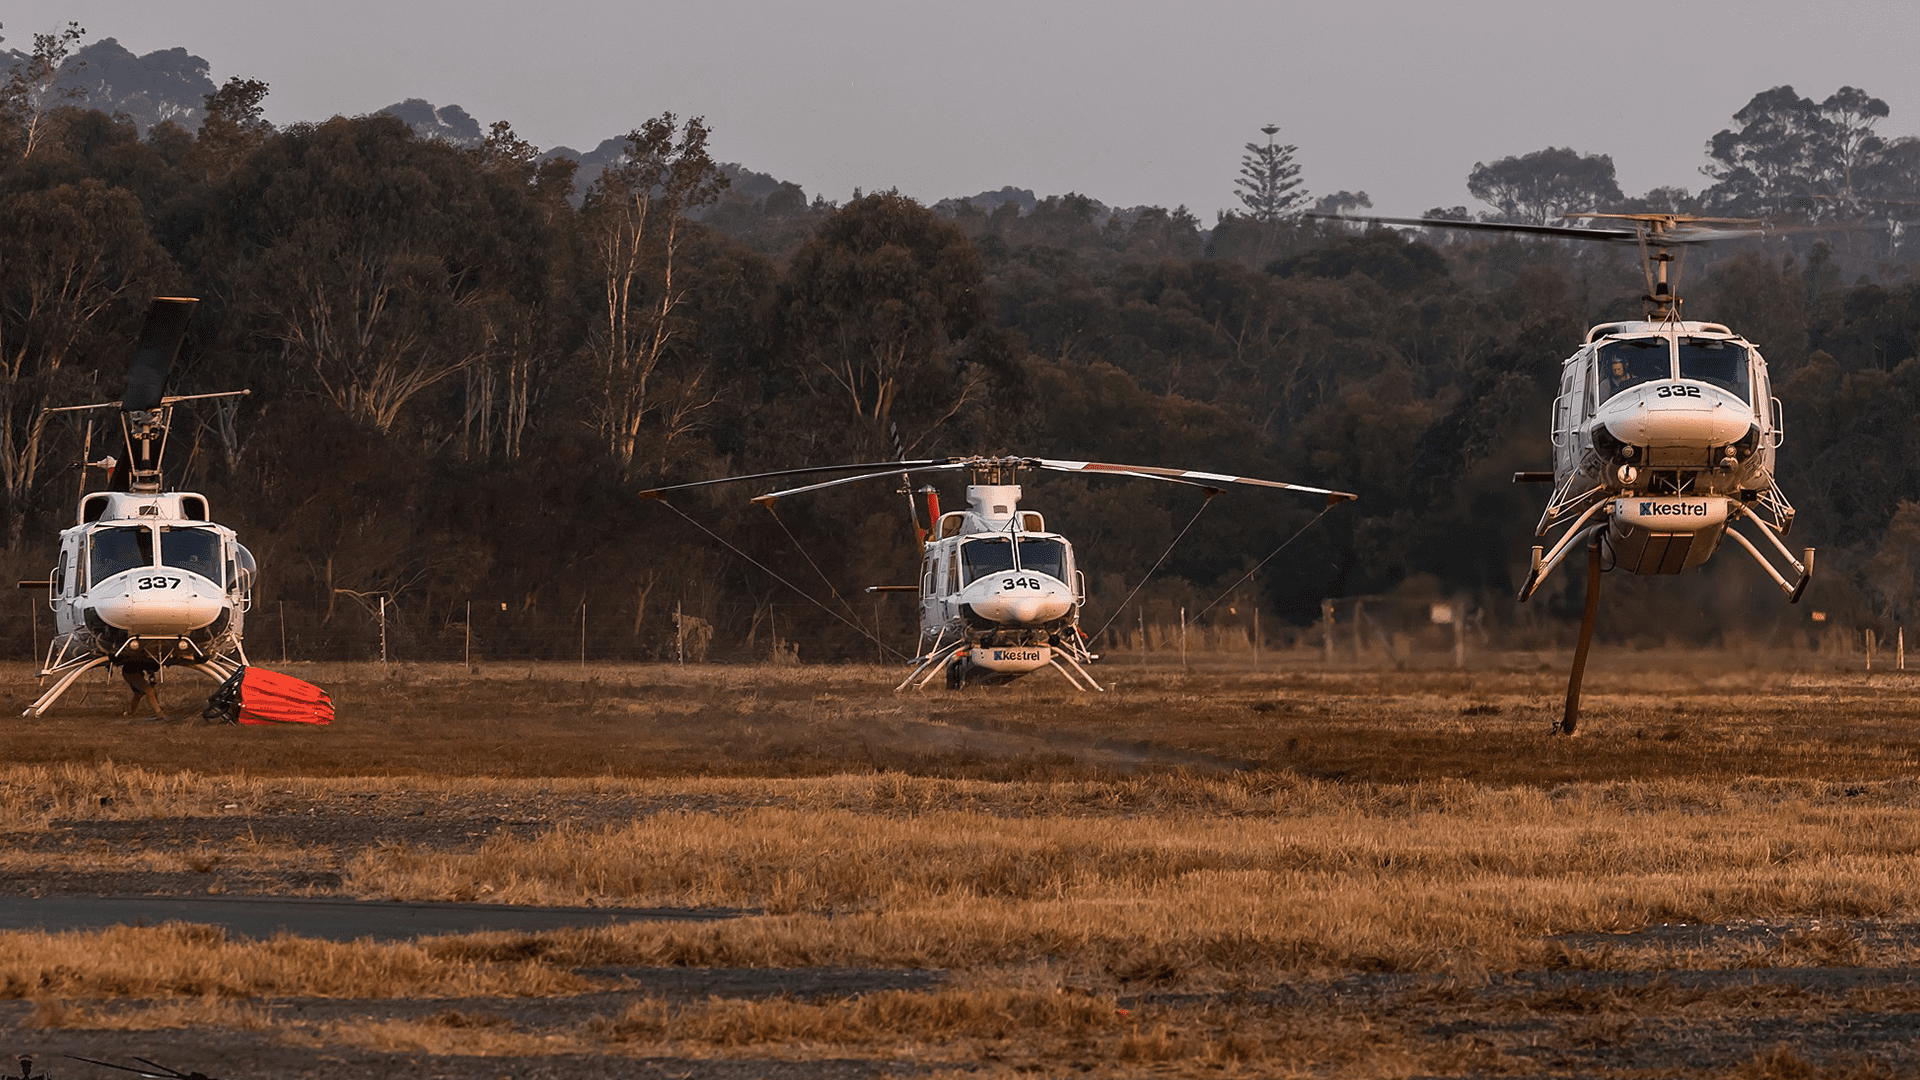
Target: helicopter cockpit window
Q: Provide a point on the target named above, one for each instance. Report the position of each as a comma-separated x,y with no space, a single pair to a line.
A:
1049,557
1630,363
197,550
987,555
111,551
1722,363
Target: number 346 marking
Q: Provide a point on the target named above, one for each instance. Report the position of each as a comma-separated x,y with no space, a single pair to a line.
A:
158,582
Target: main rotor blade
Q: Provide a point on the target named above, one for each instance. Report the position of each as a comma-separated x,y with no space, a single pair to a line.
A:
1688,235
911,466
1667,230
893,466
1662,230
1182,476
1574,232
1671,220
160,338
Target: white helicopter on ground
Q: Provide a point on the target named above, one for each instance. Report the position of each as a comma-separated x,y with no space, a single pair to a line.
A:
146,579
1664,434
999,595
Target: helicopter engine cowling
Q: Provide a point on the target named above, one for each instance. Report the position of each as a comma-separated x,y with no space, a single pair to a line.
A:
1675,423
1018,598
152,600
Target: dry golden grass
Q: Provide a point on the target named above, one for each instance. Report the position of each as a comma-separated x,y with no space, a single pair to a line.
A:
1019,1028
1211,837
208,1010
180,960
447,1033
1449,877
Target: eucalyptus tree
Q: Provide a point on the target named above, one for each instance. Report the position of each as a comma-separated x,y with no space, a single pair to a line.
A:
31,93
372,264
77,268
1791,154
233,124
635,220
1537,188
884,314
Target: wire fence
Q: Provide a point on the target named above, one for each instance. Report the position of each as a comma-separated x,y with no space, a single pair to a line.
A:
1351,632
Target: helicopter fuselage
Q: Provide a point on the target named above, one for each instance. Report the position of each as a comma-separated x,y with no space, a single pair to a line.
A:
1664,436
998,590
999,596
146,581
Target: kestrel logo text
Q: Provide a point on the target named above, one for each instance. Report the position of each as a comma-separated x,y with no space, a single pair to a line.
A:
1654,509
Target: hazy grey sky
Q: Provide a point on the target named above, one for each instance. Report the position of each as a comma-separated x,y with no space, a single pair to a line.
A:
1126,101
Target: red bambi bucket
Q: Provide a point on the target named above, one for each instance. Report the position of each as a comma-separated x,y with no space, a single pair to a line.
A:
258,696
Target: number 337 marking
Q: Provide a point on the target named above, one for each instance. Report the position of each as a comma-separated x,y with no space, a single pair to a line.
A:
158,582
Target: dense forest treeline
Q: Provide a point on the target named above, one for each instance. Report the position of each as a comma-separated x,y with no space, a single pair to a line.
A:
467,359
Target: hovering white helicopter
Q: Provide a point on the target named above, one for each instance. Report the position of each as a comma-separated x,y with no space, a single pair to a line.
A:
146,579
1664,434
999,594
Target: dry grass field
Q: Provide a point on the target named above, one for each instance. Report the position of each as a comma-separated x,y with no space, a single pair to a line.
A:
1350,873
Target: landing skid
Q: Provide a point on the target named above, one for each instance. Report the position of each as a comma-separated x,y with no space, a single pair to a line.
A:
1072,668
1576,532
68,674
218,668
1802,567
931,665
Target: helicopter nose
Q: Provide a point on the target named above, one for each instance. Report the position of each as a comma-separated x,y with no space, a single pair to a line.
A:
1676,422
1017,598
157,602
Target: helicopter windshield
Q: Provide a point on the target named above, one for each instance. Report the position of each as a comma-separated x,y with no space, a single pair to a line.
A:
987,555
1632,362
111,551
196,550
1049,557
1720,362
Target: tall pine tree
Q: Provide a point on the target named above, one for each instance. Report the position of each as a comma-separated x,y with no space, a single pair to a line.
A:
1270,181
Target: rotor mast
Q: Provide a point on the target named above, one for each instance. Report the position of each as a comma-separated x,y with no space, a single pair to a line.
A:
1659,235
146,409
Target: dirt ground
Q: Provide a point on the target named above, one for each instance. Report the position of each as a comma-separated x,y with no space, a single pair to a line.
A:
443,759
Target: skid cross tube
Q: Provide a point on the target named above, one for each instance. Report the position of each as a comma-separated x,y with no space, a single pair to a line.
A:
1803,569
46,700
935,663
1072,666
1575,533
